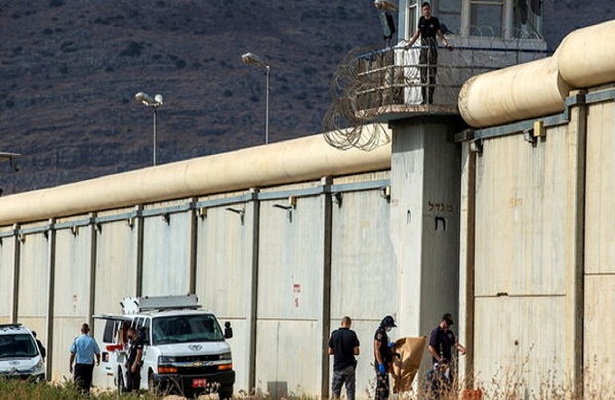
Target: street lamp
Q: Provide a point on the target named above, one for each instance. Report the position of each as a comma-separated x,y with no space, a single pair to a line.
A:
251,58
156,102
387,5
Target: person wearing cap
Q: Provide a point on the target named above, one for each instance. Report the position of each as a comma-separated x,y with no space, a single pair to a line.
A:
344,346
83,351
383,356
441,343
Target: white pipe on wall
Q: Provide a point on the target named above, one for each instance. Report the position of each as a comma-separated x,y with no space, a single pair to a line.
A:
284,162
514,93
586,57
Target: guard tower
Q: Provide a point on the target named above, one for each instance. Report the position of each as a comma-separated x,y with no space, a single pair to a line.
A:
388,85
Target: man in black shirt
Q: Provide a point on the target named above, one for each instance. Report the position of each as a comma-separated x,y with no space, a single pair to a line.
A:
441,343
344,345
428,28
133,363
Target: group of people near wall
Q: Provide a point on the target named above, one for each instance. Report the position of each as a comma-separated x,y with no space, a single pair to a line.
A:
344,346
85,354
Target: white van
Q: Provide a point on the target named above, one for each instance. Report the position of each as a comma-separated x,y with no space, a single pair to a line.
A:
184,351
20,357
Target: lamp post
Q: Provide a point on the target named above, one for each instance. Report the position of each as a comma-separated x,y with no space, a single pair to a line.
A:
251,58
155,102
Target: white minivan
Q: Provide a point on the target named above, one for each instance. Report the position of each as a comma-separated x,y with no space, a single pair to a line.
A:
185,349
20,356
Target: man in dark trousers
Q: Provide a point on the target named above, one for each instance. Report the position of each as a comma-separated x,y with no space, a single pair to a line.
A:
344,345
428,28
383,356
82,353
441,343
133,363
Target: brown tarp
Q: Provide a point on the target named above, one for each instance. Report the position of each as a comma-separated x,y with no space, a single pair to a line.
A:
405,367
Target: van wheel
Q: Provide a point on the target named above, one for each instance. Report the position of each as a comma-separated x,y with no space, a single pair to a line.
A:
152,386
121,387
225,392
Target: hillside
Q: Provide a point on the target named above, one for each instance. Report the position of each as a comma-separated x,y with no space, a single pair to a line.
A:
69,70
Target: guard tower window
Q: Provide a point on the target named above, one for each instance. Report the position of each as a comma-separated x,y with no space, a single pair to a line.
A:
450,15
504,19
527,21
486,17
412,17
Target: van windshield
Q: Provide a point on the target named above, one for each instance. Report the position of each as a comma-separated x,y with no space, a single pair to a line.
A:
186,328
15,346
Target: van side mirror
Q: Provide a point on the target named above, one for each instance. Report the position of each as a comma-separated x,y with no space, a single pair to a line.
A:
228,331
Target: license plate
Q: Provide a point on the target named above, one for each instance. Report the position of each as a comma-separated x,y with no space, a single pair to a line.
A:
199,383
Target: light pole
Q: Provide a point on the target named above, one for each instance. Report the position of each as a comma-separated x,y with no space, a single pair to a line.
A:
251,58
156,102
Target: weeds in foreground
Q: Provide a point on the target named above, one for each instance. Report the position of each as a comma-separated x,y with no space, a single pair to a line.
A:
26,390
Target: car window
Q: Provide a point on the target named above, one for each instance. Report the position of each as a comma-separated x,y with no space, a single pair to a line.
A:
18,345
186,328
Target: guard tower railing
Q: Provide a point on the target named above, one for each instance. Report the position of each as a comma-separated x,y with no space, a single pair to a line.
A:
395,81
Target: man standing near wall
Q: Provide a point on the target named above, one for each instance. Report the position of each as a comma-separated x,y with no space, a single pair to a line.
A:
82,353
344,345
442,341
428,28
383,356
133,362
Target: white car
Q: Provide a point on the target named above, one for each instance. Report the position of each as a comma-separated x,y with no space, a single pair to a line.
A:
20,357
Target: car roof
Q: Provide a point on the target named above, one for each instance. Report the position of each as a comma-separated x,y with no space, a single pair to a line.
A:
13,329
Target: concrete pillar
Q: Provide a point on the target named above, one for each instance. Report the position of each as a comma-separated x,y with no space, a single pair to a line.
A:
425,175
465,325
253,209
49,318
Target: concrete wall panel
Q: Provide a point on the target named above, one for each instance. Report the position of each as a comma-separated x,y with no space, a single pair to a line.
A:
224,259
7,267
224,276
362,265
72,274
289,360
34,280
600,191
512,347
291,260
166,255
116,256
519,214
290,295
71,294
598,354
361,257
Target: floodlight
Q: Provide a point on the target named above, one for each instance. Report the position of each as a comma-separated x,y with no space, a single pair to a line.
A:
385,5
147,100
251,58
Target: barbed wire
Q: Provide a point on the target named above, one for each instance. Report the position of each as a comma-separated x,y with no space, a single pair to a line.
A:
370,83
